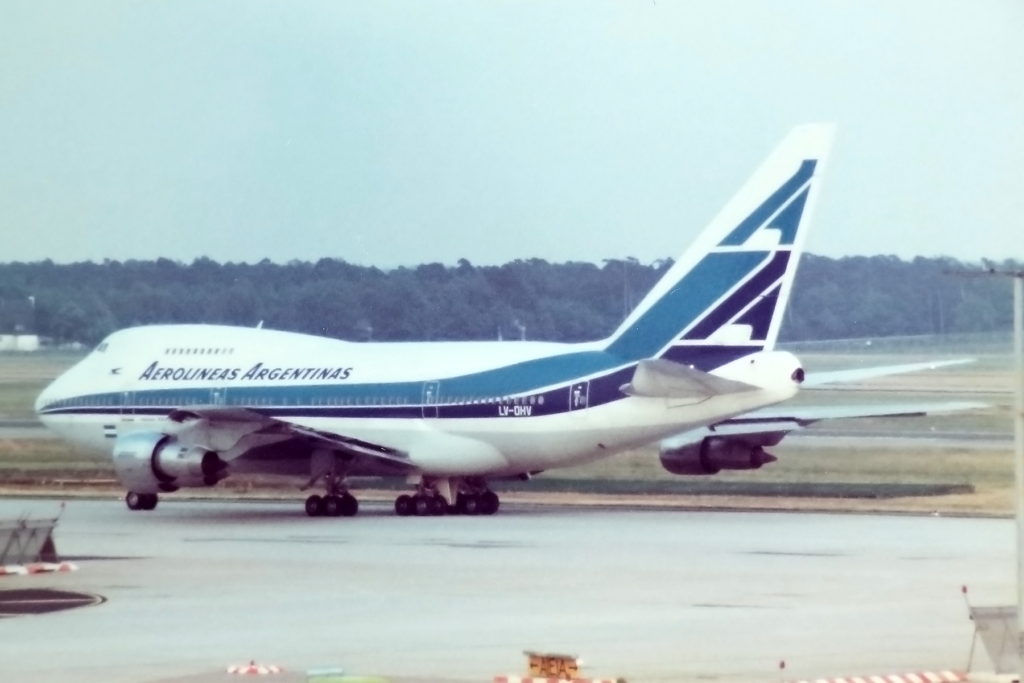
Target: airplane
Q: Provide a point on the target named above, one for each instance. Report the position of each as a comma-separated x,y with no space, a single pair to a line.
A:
188,405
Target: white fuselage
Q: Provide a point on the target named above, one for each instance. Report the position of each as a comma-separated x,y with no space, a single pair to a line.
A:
537,406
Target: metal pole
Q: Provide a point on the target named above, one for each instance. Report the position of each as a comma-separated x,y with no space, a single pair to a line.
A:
1018,461
1018,435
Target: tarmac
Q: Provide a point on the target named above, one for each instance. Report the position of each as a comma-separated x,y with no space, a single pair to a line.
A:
649,595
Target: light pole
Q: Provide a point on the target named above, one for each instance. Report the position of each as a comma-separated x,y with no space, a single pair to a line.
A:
1018,460
1018,435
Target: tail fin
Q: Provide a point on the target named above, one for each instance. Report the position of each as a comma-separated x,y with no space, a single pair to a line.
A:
724,298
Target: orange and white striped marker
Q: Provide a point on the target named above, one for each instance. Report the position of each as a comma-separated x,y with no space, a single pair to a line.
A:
37,568
254,669
919,677
520,679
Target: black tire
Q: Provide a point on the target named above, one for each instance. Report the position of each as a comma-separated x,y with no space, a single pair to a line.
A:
332,506
460,504
489,503
149,501
349,505
403,505
314,506
422,506
471,505
134,501
438,506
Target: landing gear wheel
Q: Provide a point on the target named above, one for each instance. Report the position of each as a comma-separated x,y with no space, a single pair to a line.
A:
404,506
489,503
332,506
149,501
134,501
349,505
438,506
421,504
471,505
314,506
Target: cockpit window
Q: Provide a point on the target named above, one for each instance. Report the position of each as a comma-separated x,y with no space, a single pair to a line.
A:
101,348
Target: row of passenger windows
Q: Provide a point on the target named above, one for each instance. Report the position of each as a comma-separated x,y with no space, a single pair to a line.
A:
190,352
243,400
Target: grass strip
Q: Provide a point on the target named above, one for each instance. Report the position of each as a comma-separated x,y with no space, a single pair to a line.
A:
871,491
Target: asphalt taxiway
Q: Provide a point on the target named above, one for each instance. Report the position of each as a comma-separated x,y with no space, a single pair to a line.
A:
648,595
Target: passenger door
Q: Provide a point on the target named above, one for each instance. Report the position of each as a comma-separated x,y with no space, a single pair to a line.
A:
579,395
127,406
430,397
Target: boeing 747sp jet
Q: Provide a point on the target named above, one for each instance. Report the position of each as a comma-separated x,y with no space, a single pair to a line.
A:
188,405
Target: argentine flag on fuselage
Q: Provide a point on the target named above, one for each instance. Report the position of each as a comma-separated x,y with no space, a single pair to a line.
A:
724,298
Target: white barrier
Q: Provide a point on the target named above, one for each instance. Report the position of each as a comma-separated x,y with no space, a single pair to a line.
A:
24,541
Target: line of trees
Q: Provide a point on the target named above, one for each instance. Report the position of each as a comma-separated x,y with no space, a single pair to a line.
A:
832,298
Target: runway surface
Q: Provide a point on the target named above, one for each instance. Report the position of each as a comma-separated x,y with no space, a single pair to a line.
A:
648,595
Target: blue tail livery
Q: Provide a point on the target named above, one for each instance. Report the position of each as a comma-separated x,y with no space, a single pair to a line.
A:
726,295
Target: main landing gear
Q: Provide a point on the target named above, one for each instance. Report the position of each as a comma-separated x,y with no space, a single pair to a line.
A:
140,501
485,503
432,499
332,505
337,501
421,505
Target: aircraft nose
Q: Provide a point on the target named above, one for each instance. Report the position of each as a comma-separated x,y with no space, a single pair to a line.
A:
46,397
42,400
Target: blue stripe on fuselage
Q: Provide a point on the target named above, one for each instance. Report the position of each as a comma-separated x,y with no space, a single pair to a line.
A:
546,382
367,401
457,396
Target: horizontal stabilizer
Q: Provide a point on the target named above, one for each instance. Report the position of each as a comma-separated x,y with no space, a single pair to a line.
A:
806,415
816,379
780,420
659,378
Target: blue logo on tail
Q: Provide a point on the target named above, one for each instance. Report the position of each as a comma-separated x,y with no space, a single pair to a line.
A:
787,220
730,297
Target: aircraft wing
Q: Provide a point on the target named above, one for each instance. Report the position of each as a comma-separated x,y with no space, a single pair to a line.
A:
217,426
769,425
817,379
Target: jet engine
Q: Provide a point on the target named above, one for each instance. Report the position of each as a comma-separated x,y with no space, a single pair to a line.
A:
150,462
713,454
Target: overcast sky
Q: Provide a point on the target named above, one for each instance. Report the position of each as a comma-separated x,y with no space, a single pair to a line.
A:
389,133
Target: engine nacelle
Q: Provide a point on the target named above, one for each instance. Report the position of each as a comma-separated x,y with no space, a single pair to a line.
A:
150,462
714,454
